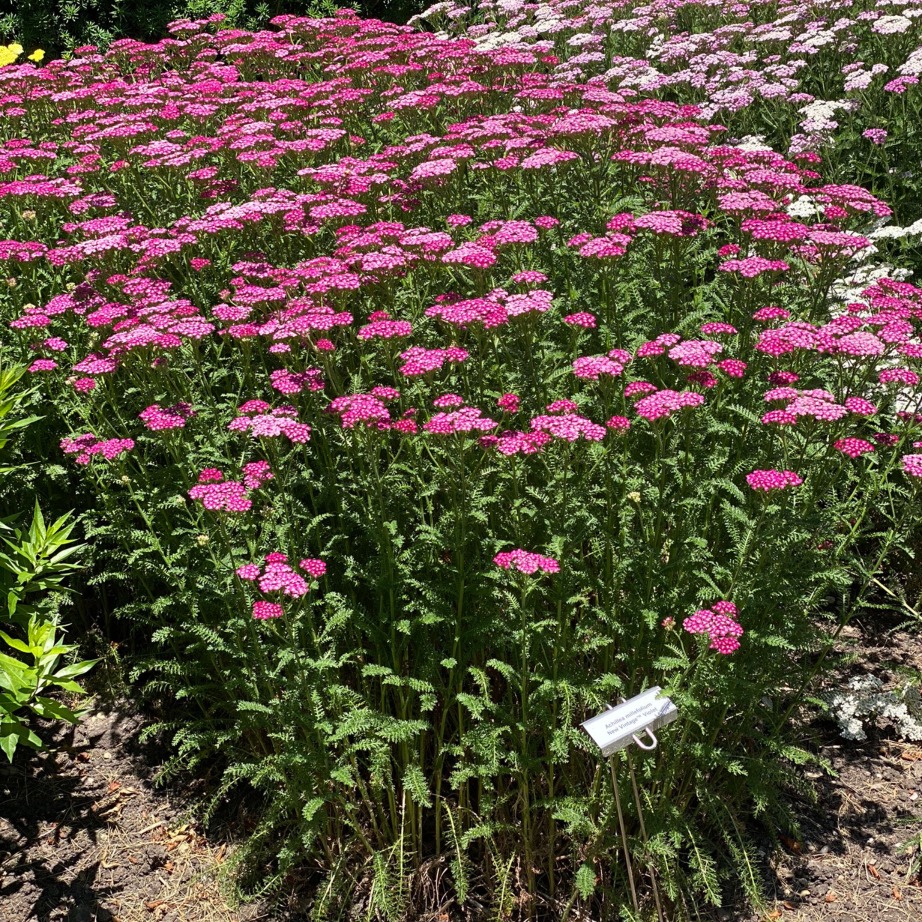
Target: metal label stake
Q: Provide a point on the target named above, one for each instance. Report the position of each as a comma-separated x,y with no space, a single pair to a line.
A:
615,729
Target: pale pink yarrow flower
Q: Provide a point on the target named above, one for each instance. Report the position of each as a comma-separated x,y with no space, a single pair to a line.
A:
912,465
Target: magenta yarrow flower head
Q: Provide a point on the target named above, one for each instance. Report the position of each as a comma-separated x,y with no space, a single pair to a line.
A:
562,406
592,367
568,426
467,419
295,382
771,312
581,319
313,567
42,365
278,576
695,353
227,496
706,379
86,446
639,388
509,403
529,277
618,423
526,562
658,346
773,480
719,624
263,611
779,418
853,447
260,421
514,442
157,418
256,473
364,409
733,368
901,376
859,406
420,361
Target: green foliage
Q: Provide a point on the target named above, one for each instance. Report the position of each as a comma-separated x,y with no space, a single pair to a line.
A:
24,685
34,561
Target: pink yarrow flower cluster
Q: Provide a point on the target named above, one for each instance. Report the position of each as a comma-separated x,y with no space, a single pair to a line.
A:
277,576
157,418
666,402
720,625
261,421
854,448
219,495
87,446
912,465
526,562
768,480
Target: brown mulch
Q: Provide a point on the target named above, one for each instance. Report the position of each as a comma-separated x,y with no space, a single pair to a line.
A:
86,837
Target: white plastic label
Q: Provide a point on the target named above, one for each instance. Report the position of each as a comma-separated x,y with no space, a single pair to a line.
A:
614,729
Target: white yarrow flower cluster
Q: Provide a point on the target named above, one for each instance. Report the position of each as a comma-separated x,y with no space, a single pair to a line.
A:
864,698
891,25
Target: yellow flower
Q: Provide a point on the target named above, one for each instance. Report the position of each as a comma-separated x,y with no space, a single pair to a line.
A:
9,53
37,55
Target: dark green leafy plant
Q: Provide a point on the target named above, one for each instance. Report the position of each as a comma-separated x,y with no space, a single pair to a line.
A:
33,562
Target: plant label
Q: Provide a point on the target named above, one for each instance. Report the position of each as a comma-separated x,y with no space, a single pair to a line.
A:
614,729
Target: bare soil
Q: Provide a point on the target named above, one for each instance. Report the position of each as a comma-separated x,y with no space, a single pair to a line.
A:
85,837
854,859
